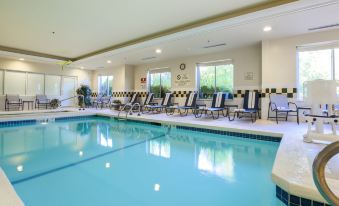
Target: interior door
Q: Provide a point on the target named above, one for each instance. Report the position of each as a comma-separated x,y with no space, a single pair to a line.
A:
68,91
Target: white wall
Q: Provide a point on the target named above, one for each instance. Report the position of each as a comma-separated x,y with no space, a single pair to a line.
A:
83,76
279,60
246,59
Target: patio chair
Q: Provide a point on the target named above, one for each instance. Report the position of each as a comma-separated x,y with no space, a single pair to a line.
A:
13,101
218,105
96,100
279,105
165,103
190,104
42,101
104,102
250,107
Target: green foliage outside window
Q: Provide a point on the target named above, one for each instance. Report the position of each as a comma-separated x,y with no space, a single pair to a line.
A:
160,84
215,79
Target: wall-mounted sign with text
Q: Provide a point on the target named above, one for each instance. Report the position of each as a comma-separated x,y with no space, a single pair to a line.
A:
182,80
143,81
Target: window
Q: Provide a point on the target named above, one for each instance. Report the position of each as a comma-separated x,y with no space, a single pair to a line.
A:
105,85
214,77
160,82
317,64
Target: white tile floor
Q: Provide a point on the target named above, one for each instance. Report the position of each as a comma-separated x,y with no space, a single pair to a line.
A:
292,167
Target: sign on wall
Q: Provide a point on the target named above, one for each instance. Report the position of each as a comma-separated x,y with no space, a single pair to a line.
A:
182,79
143,81
249,76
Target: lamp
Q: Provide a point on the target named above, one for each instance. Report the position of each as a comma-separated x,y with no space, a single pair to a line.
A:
318,93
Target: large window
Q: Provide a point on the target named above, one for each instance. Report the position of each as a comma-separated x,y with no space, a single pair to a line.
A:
317,64
160,82
214,77
105,85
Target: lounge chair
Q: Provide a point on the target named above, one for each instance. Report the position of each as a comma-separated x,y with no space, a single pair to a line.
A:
131,102
190,104
148,102
218,105
165,103
42,101
279,104
250,107
13,101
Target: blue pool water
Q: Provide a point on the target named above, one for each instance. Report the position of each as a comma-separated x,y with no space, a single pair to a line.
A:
99,161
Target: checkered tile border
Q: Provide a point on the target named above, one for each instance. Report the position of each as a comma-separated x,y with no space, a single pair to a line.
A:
290,92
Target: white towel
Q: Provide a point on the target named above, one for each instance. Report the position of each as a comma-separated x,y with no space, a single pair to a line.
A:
190,100
149,98
218,100
166,98
133,97
251,100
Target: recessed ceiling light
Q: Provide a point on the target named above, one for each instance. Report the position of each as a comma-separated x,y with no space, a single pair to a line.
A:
22,59
109,61
108,165
267,29
82,67
158,51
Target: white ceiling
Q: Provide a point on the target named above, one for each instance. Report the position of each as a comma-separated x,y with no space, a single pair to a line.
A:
288,20
84,26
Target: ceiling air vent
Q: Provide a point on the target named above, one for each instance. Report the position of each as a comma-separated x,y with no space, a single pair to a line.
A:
148,58
213,46
323,27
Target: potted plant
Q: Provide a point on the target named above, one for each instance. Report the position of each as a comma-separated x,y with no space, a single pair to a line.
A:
54,103
84,95
116,104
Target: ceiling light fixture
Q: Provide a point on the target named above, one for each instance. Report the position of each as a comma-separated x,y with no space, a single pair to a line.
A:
109,61
267,29
22,59
158,51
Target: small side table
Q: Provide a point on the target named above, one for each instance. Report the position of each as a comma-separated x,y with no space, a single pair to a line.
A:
302,108
29,103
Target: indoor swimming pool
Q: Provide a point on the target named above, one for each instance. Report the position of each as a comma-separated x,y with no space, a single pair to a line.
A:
102,161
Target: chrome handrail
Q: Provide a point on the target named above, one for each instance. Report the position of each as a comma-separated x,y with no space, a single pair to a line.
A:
130,111
319,172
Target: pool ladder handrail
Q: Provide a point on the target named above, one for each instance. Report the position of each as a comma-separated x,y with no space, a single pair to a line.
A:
130,111
318,167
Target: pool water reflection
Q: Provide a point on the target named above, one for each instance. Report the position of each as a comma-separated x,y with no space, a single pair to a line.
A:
106,162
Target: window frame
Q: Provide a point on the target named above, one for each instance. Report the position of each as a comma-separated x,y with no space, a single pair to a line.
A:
299,49
158,71
108,93
214,64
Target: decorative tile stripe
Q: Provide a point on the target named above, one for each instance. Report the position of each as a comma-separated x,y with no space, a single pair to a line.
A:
292,200
142,122
17,123
76,117
290,92
233,134
241,93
